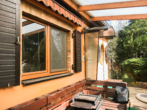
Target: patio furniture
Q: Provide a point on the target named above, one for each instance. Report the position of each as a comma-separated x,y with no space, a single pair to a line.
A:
107,89
61,99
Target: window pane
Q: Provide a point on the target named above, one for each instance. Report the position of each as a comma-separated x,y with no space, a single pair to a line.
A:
33,46
58,50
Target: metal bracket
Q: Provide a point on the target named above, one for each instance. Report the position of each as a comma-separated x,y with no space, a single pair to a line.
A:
73,100
8,85
98,98
99,105
18,40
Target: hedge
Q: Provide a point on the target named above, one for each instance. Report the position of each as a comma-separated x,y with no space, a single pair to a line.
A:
136,68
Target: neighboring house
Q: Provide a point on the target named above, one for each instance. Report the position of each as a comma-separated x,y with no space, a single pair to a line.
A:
43,48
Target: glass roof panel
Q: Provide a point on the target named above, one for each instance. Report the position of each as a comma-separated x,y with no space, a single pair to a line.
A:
92,2
120,11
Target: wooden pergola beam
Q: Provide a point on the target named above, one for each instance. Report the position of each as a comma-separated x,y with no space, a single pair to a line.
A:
127,4
120,17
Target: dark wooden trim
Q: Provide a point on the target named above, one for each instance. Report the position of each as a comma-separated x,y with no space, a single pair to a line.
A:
8,9
7,25
7,30
5,83
6,3
8,72
7,56
6,19
7,67
7,62
37,80
7,14
17,47
78,54
7,46
7,51
14,1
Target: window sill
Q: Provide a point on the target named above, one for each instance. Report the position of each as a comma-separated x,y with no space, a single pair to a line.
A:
37,80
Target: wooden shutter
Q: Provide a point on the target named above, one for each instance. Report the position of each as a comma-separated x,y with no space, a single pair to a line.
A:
9,50
78,62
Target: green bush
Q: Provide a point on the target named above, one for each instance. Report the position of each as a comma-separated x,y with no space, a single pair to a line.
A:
136,68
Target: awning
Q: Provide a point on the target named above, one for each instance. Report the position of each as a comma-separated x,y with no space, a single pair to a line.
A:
62,11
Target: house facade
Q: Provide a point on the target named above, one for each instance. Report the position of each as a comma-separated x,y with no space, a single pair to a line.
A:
43,47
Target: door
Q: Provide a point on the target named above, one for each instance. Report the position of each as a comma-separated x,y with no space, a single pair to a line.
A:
91,41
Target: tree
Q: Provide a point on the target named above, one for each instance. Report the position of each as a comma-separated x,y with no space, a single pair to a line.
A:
130,43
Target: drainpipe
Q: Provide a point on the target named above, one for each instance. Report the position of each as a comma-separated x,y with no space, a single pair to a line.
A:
97,55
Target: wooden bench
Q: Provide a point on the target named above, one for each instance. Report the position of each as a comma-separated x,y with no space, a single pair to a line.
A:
61,98
114,80
107,89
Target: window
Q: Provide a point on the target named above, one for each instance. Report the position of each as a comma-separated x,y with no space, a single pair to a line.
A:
33,46
58,50
43,54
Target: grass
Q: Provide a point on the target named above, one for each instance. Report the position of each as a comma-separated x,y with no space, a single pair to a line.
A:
132,108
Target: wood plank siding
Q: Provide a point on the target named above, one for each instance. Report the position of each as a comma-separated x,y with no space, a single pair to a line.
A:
9,51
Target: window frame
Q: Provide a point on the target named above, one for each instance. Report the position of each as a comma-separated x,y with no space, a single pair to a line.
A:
47,71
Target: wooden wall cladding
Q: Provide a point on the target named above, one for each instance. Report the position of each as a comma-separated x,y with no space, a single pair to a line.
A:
9,50
78,62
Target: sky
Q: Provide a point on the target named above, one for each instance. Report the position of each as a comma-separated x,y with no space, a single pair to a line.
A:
118,24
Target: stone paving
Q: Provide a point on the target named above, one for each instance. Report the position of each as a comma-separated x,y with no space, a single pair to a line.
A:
134,101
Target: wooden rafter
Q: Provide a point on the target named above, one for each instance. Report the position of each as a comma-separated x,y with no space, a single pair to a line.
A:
120,17
127,4
75,7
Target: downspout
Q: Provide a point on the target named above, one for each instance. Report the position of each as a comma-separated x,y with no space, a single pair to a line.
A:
97,55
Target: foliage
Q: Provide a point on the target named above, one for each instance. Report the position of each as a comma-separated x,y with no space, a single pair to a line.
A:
115,74
111,47
33,51
136,68
130,43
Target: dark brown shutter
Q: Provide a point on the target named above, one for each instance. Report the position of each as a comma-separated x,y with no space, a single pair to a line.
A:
78,66
9,50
